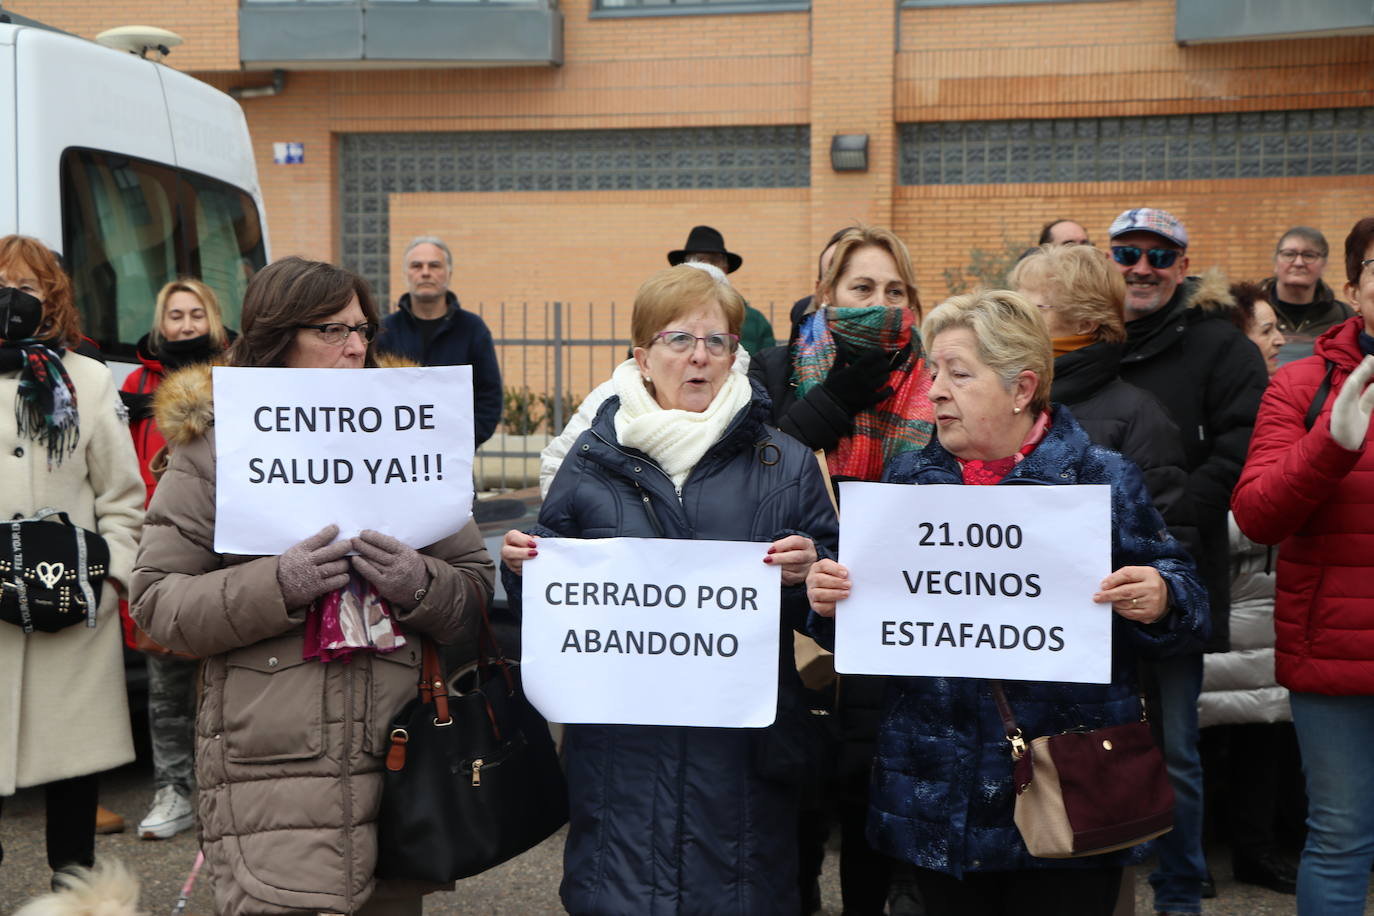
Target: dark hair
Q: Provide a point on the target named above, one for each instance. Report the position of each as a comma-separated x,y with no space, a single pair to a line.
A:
1247,295
60,318
1356,244
1047,230
1309,235
288,293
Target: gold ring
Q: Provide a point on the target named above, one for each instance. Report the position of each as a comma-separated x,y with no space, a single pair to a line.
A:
1135,602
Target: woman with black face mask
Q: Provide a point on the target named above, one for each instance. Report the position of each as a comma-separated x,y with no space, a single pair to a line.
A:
64,446
187,329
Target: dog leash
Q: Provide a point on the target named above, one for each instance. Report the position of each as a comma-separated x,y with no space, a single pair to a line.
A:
185,896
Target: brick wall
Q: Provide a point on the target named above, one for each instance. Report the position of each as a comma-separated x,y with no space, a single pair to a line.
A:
847,66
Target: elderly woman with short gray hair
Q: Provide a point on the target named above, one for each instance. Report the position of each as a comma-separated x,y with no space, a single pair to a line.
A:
942,794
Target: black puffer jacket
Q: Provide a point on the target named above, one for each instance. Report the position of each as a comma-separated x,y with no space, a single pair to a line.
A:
670,820
1125,419
1210,378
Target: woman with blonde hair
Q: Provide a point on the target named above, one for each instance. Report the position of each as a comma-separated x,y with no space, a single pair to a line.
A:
187,328
1081,296
943,792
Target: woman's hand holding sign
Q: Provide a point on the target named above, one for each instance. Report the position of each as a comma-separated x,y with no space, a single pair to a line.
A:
394,568
826,584
795,554
517,548
1137,593
314,567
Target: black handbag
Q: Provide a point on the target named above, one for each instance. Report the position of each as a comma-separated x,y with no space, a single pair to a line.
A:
472,776
51,572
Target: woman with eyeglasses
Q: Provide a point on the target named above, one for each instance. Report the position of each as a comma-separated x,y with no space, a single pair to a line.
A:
64,716
1308,486
291,733
671,819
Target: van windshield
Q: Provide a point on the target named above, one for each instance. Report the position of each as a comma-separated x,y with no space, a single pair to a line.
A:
130,226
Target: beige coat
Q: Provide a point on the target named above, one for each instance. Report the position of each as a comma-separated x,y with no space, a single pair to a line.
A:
63,709
288,752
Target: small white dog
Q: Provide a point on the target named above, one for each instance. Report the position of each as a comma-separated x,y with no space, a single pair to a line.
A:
109,889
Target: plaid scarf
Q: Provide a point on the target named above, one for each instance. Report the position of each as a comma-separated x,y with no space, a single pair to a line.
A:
904,421
45,404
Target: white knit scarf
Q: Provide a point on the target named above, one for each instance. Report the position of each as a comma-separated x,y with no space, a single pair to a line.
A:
676,439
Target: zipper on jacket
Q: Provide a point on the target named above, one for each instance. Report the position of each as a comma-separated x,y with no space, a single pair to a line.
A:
347,780
477,771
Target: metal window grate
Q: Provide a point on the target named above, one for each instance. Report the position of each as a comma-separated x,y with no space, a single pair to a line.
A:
1263,144
373,166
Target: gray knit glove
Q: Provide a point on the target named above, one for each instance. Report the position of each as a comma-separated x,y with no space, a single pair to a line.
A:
312,568
396,570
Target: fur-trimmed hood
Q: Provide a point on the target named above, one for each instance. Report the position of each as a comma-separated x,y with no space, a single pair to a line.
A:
1210,293
184,404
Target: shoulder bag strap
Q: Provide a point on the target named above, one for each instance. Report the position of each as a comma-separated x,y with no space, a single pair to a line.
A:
1009,726
1319,399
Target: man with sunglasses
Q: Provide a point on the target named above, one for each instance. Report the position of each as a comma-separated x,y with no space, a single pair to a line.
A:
1181,347
430,327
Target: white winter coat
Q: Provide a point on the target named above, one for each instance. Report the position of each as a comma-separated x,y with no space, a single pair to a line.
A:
63,708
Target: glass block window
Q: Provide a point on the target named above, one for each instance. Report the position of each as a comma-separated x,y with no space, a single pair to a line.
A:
373,166
1263,144
705,5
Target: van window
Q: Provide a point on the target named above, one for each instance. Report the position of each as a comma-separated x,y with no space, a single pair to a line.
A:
130,226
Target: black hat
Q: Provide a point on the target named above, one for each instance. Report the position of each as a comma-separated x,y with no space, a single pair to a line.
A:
705,239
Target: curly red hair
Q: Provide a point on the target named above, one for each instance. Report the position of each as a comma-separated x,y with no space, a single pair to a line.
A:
60,318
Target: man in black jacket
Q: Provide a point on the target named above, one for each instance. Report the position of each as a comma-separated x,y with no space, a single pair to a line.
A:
1303,304
430,327
1182,348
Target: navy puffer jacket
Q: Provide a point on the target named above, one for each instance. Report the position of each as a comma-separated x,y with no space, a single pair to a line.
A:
671,820
942,794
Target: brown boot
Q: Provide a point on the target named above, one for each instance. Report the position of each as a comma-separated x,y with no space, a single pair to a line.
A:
106,821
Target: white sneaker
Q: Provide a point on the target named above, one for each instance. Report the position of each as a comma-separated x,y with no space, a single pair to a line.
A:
171,813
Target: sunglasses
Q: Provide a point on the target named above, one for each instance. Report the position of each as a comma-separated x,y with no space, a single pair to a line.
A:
1158,258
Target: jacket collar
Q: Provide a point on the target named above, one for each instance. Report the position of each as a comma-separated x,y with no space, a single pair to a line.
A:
745,430
1054,461
1080,374
1340,343
403,304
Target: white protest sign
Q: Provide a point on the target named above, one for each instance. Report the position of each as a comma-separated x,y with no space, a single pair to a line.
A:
643,631
959,581
299,449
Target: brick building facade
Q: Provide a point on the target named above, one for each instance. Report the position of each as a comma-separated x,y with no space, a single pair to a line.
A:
570,181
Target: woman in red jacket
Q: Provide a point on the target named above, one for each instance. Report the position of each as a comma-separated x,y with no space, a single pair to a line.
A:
1308,483
187,328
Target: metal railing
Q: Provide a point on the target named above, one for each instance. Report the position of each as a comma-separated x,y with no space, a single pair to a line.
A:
552,354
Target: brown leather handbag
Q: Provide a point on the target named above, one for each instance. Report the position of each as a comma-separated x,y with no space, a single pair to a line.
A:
1085,793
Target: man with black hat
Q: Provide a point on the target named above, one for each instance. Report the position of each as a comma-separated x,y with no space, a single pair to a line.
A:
1182,348
707,245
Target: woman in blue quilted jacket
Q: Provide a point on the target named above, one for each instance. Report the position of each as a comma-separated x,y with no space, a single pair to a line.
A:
942,795
666,819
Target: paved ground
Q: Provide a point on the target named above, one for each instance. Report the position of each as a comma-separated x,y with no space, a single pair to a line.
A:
527,885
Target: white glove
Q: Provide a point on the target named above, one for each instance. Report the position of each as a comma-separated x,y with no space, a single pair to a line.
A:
1354,405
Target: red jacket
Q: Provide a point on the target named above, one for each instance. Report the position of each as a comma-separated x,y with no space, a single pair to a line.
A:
1303,490
147,437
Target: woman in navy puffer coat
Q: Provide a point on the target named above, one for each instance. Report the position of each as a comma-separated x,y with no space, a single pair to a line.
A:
942,794
676,820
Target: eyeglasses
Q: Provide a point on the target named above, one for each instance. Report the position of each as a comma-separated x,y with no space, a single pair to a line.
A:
682,342
335,333
1158,258
1288,255
1365,263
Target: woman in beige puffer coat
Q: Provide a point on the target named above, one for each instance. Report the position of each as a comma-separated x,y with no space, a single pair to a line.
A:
289,751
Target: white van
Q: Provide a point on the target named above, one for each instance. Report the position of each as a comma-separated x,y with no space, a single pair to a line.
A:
134,172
